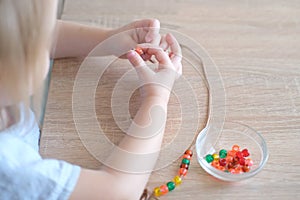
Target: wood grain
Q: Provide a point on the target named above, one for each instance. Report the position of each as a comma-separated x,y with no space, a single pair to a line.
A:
256,46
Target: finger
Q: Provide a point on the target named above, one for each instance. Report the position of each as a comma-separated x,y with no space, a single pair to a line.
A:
161,56
138,63
153,35
175,48
163,43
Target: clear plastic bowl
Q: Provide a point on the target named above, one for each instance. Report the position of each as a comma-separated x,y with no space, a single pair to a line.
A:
231,134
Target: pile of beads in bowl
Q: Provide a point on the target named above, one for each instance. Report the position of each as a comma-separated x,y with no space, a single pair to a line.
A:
234,161
169,186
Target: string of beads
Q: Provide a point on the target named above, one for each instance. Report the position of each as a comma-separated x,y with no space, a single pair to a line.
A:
171,185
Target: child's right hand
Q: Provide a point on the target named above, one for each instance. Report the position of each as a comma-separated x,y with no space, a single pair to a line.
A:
158,83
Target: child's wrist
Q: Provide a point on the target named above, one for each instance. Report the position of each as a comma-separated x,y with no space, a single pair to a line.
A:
156,99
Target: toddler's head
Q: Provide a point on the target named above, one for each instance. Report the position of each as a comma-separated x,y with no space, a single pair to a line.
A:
26,27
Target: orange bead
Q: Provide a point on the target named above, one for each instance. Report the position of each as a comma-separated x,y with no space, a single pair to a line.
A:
220,168
229,159
231,153
235,147
215,163
185,166
238,170
183,171
186,156
246,168
189,152
164,189
139,50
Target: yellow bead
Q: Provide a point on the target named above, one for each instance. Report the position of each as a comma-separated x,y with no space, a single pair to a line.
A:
177,180
215,156
157,192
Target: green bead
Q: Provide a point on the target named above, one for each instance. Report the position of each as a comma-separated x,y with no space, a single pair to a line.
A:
171,185
222,153
209,158
186,161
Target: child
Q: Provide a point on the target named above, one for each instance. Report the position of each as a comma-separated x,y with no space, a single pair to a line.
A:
27,30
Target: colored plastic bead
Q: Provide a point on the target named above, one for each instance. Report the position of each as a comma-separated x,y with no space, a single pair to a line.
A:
222,153
209,158
249,162
184,166
215,163
229,159
245,152
236,147
242,161
171,185
216,156
239,154
231,153
177,180
189,152
220,168
157,192
222,162
238,170
186,156
139,50
246,168
183,171
164,189
185,161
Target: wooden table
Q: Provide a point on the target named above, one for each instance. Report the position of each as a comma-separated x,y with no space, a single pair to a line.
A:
255,45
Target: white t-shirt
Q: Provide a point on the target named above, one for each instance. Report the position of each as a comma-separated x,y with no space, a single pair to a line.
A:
23,173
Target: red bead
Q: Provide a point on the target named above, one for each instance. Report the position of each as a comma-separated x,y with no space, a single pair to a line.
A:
185,166
245,152
242,161
222,162
186,156
164,189
189,152
239,154
183,171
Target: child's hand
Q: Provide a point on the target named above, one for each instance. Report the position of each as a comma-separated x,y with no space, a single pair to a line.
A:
158,83
137,32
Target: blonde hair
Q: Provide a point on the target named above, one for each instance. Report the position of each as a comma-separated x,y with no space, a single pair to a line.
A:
26,27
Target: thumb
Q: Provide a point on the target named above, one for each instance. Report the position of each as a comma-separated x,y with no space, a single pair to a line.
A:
153,35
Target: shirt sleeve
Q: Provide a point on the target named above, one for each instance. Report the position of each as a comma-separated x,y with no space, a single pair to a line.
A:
34,179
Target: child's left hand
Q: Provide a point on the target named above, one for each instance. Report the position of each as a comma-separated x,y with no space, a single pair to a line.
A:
137,32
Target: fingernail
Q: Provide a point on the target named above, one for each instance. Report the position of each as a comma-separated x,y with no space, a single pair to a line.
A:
131,53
